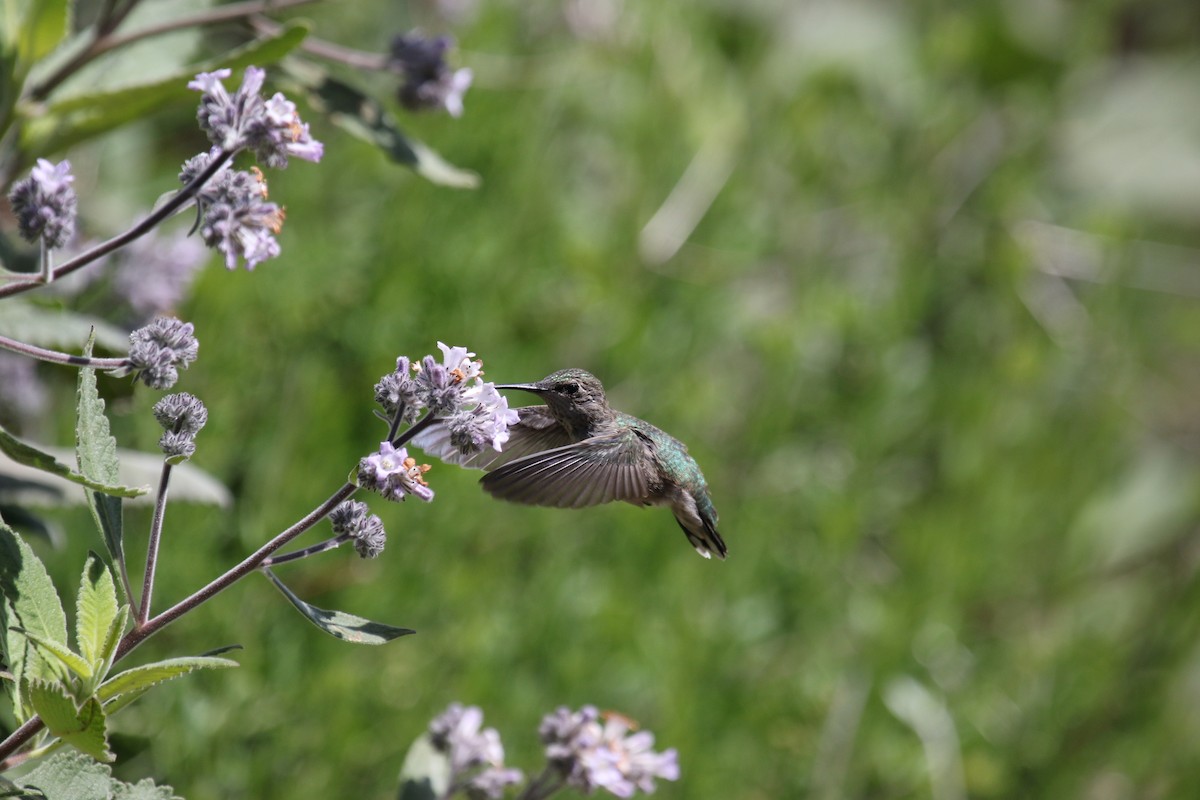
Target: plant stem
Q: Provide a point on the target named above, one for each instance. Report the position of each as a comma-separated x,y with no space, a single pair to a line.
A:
160,509
141,633
420,425
55,357
47,263
329,544
137,231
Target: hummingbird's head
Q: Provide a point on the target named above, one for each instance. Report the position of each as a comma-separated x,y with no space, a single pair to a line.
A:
568,392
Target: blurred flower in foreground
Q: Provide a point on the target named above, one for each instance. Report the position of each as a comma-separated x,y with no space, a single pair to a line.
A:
456,732
45,204
21,390
155,272
429,82
590,753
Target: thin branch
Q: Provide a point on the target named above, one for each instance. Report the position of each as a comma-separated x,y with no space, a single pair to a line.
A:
55,357
103,42
160,508
142,632
329,544
137,231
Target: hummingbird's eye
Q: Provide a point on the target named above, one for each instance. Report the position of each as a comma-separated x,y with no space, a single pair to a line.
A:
571,388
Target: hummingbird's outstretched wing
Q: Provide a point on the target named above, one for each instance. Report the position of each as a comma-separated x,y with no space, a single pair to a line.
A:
587,473
536,430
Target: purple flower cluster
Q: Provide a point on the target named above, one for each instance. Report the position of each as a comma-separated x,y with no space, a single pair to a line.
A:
393,474
45,204
236,218
456,732
476,415
270,128
591,751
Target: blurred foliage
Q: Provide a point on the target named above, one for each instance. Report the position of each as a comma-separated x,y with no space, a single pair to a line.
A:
917,284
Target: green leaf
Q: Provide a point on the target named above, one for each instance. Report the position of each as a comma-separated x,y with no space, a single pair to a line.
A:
88,114
145,789
62,653
363,117
339,623
30,603
425,774
96,450
58,329
139,679
46,24
30,456
69,776
83,727
95,610
108,651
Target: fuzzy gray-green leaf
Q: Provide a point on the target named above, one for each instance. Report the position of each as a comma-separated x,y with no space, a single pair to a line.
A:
30,603
96,450
30,456
141,678
83,727
95,609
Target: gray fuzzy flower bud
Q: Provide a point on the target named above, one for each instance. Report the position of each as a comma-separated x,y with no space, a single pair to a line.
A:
350,517
158,350
45,204
181,412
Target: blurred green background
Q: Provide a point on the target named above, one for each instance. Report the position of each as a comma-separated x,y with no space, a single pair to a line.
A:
917,283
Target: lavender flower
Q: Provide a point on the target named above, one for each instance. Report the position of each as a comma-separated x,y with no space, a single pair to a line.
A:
589,754
271,128
443,387
397,392
393,474
235,217
428,81
45,204
484,424
159,349
350,517
20,388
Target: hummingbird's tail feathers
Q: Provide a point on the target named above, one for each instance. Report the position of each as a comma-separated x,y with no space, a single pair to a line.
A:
706,540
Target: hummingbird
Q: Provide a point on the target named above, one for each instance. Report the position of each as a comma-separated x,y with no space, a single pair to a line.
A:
577,451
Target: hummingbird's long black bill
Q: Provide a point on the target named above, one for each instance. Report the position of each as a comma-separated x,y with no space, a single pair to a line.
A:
524,387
